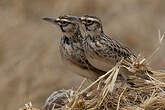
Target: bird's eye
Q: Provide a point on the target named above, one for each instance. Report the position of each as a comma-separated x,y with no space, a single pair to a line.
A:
64,22
89,21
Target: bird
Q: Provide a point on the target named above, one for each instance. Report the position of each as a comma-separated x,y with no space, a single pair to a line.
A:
102,51
71,50
57,99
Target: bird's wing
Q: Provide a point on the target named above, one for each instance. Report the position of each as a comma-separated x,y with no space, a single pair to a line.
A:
111,48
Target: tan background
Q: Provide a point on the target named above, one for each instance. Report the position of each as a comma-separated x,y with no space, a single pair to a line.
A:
30,64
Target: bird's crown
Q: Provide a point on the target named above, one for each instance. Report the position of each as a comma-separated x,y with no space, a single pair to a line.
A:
90,19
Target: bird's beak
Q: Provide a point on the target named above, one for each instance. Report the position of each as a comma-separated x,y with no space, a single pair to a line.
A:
51,19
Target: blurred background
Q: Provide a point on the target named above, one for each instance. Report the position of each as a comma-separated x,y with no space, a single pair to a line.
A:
30,64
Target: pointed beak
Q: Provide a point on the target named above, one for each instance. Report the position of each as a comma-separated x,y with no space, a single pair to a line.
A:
51,19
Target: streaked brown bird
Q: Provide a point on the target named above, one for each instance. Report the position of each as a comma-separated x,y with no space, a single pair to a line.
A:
57,100
71,48
102,51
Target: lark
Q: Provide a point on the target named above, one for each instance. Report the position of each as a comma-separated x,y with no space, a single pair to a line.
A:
102,51
71,49
57,100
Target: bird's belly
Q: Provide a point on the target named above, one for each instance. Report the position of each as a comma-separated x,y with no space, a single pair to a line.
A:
84,72
106,65
100,63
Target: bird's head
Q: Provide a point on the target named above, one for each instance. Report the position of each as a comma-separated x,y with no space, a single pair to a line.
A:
92,24
67,23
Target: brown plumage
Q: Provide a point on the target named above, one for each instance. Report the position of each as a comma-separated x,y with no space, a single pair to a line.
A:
57,100
102,51
71,48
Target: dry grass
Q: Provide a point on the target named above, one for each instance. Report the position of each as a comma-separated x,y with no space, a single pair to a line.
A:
143,95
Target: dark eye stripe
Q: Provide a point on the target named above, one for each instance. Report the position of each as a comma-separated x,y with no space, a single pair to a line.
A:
88,24
65,23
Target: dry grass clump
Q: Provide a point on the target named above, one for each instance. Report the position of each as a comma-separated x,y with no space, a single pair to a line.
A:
127,98
143,95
